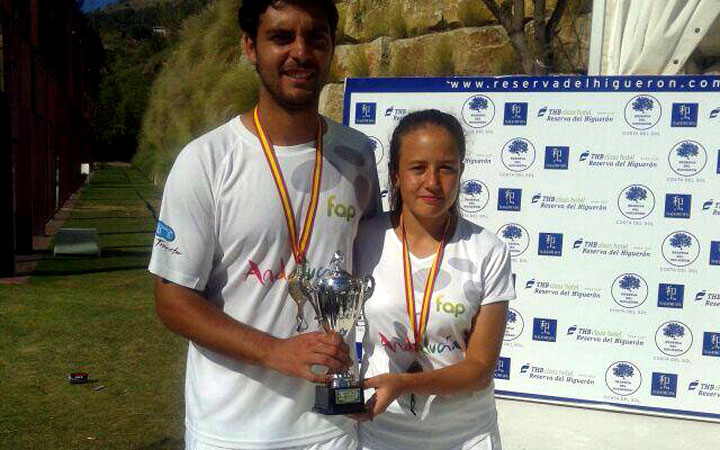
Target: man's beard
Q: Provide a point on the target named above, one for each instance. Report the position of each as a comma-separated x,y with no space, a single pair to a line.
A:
303,102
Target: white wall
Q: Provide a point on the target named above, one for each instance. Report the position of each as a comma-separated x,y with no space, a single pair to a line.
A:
536,426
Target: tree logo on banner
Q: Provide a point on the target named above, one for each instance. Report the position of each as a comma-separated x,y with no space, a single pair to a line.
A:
514,326
643,112
474,196
478,111
687,158
680,248
629,290
673,338
518,154
378,148
636,201
623,378
516,237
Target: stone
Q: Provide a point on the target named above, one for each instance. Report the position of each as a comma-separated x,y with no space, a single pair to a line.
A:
466,51
76,241
361,60
332,101
713,69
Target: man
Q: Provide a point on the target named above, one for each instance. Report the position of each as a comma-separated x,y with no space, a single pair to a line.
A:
243,206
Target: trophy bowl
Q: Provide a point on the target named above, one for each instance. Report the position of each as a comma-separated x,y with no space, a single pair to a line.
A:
337,298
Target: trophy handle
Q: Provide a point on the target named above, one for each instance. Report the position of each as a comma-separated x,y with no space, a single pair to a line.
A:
308,288
368,287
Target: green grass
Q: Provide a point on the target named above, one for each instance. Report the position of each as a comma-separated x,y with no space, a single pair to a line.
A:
93,315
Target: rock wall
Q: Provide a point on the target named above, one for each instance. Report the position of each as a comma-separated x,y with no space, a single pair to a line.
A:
378,38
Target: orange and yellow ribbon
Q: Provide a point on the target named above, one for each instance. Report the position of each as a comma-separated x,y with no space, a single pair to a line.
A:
419,328
299,247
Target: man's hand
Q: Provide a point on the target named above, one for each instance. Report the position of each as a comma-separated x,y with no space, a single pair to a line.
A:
296,355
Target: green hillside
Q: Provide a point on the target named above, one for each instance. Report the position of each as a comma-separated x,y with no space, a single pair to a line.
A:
136,36
203,84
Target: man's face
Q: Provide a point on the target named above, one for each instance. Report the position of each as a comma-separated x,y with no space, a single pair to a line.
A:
292,54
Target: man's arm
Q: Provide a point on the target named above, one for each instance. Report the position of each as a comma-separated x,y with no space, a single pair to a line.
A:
188,314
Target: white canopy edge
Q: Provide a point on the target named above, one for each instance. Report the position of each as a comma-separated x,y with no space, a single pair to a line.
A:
648,37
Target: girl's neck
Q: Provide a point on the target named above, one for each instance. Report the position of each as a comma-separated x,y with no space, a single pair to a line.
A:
424,234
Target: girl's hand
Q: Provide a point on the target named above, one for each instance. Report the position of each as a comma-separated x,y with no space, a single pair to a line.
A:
388,387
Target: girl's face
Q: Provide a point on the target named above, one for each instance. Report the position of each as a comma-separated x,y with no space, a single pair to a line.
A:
429,171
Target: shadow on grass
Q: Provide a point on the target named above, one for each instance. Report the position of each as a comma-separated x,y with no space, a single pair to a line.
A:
165,443
64,272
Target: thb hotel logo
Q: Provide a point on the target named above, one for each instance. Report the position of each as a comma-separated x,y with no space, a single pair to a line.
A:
365,113
544,329
557,157
684,115
550,244
502,369
715,253
711,344
664,385
671,295
509,199
515,113
678,205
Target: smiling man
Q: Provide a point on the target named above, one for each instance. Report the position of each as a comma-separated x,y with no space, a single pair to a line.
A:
243,206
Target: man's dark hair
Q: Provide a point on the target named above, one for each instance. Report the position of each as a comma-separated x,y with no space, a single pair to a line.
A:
415,121
251,10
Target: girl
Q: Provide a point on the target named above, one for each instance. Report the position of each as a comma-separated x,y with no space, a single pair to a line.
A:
436,321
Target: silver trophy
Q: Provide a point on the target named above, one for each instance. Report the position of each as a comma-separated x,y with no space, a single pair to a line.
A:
337,299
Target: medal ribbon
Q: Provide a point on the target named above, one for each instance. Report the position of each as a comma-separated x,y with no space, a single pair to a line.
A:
419,329
299,247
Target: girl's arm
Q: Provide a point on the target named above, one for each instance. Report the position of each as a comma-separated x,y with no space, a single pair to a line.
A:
474,373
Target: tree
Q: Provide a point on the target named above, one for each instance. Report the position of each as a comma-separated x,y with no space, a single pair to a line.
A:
642,104
680,240
478,104
518,146
512,317
472,188
623,370
674,330
636,194
512,232
687,150
539,58
629,282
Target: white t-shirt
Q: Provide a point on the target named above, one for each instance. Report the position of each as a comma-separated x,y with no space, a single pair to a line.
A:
222,232
475,271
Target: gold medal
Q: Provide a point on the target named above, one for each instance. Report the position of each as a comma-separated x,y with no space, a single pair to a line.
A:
299,244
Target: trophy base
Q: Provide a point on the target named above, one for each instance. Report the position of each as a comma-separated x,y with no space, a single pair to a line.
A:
335,401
